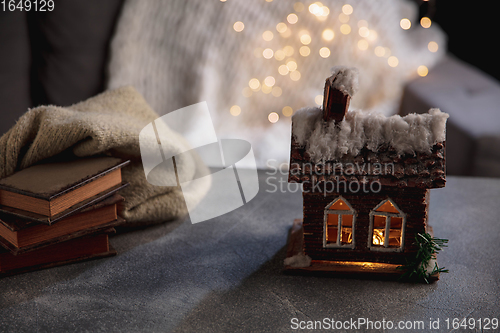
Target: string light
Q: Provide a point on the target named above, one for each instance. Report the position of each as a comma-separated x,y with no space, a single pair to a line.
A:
273,117
276,91
283,70
393,61
287,111
324,52
422,70
345,29
281,27
318,99
328,34
295,75
267,53
433,46
292,18
267,36
235,110
269,81
425,22
304,51
362,44
254,84
347,9
238,26
405,24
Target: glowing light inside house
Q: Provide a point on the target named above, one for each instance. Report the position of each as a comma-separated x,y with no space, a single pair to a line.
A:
378,237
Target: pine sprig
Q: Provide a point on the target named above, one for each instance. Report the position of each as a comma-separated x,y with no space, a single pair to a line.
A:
416,268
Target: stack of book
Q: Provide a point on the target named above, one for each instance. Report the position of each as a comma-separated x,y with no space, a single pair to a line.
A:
60,212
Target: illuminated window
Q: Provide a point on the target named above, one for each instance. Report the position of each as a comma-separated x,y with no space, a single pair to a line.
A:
387,227
339,224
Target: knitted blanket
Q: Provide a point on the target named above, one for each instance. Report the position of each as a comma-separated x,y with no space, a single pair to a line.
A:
105,124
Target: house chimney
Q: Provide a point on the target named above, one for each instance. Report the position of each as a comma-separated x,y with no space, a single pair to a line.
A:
339,89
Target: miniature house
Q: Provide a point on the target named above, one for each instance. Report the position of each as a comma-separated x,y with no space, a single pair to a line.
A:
365,180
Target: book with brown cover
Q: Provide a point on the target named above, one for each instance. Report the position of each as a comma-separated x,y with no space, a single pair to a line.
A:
48,192
74,250
20,235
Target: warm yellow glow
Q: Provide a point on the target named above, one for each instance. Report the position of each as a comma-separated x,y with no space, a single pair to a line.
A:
343,18
270,81
267,35
347,9
298,7
372,35
433,46
325,11
295,75
258,52
238,26
328,34
422,70
362,23
287,111
364,32
304,51
305,39
345,29
276,91
362,44
318,99
269,0
273,117
378,237
235,110
292,18
405,24
288,50
266,89
324,52
425,22
254,84
279,55
315,8
393,61
247,92
283,70
292,65
379,51
267,53
223,0
286,34
281,27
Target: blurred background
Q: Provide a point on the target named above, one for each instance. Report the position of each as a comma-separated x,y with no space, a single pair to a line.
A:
257,62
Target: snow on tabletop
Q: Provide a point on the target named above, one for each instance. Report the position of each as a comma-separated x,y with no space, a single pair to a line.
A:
328,141
345,79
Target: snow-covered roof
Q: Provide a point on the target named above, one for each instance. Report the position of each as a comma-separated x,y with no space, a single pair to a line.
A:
344,79
413,133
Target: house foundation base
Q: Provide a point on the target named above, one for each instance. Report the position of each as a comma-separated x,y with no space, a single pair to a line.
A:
297,262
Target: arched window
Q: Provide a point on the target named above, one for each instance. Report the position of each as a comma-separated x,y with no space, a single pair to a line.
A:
387,227
339,224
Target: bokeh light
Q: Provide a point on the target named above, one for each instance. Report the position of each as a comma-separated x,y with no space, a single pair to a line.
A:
238,26
328,34
235,110
273,117
433,46
287,111
422,70
292,18
405,24
324,52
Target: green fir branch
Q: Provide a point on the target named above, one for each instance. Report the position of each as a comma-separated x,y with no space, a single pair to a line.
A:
415,269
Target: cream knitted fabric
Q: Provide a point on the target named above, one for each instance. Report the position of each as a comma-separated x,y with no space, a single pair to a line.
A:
105,124
180,52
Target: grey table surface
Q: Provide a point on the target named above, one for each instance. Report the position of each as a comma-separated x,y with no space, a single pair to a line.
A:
225,275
